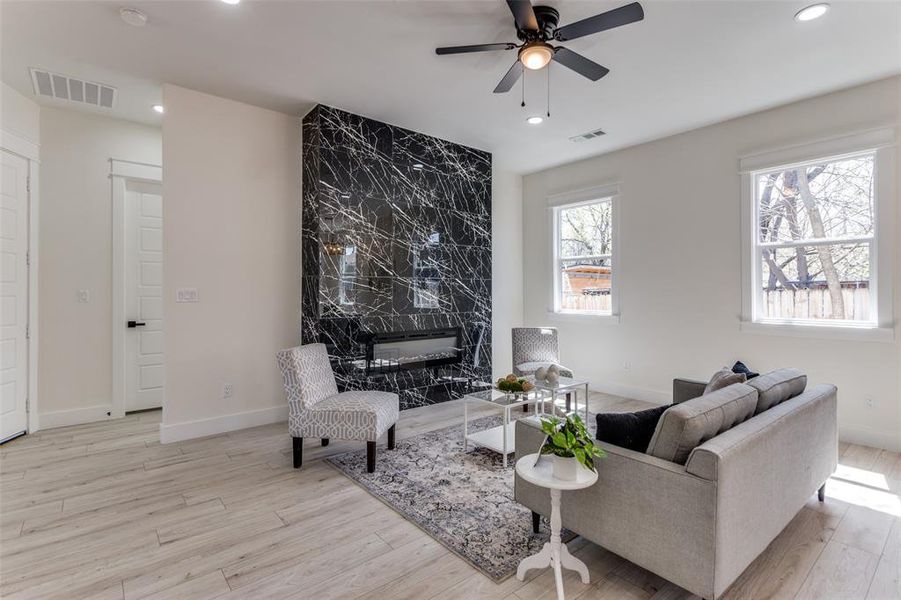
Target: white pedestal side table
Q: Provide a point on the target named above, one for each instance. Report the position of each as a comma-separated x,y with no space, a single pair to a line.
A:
554,554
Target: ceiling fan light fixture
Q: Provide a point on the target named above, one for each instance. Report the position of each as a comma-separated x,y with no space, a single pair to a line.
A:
536,55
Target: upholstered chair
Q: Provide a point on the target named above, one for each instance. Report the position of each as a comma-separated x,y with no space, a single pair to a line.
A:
535,347
316,409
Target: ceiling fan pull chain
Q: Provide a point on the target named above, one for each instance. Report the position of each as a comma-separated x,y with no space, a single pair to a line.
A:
549,90
523,88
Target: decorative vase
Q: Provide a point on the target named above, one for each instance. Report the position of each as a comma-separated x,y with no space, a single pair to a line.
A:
566,468
540,374
552,377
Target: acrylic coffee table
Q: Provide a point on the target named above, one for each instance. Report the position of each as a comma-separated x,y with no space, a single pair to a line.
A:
501,439
554,554
563,386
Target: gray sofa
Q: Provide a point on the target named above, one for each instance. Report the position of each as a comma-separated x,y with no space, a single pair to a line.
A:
724,474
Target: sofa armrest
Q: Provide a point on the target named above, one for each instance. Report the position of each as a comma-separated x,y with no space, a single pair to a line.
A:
686,389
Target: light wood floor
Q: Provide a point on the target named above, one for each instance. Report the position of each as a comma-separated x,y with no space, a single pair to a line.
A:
105,511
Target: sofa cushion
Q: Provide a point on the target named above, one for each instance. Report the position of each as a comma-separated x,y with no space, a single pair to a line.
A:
777,386
689,424
723,378
632,430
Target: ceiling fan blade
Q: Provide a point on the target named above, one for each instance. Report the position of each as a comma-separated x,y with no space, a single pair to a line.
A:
509,79
623,15
580,64
475,48
523,14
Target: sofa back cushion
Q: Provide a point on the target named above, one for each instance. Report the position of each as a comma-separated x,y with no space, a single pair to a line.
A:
777,386
689,424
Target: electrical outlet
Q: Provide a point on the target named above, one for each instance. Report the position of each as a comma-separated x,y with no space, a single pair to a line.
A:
227,390
627,366
187,295
869,400
84,296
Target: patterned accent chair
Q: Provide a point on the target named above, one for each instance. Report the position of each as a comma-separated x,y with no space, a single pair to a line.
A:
316,408
535,347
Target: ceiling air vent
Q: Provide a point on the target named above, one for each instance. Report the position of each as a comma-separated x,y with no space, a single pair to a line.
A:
587,136
61,87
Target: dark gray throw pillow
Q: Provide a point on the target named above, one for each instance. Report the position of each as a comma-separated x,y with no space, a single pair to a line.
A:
632,430
740,367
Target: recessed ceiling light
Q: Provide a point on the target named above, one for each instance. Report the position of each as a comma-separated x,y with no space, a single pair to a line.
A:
536,120
231,1
159,108
133,17
814,11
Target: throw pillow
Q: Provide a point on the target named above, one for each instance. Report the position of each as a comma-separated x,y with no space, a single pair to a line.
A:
723,378
740,367
632,430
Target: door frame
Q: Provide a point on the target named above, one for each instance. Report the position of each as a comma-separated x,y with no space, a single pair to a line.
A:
122,172
30,151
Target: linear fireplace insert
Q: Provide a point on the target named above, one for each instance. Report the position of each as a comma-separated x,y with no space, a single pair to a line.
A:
413,349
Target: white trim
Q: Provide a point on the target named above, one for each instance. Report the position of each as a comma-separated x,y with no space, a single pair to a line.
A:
583,195
867,436
632,392
594,317
177,432
76,416
788,156
826,332
881,143
121,172
19,145
30,151
135,170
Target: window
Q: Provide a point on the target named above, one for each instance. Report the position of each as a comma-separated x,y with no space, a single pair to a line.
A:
814,230
583,257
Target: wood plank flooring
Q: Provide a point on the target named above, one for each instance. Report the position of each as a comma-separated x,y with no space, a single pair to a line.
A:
105,511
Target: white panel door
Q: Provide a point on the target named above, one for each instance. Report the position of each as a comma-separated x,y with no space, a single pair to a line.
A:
13,295
144,370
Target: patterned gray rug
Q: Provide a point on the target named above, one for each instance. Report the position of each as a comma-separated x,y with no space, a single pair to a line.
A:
463,500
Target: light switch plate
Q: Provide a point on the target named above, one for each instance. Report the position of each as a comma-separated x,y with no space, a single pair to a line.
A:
187,295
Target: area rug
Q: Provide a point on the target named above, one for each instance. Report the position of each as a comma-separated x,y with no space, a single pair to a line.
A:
463,500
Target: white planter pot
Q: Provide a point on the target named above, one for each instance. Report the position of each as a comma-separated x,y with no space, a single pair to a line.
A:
566,468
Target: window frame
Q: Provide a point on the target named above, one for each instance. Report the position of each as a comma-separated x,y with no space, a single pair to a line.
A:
556,204
879,143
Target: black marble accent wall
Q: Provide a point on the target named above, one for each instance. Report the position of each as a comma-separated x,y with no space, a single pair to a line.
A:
396,237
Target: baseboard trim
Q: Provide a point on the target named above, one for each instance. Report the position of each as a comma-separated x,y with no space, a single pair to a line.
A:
867,436
76,416
189,430
631,392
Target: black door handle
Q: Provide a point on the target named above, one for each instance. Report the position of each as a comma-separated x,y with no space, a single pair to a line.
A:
132,324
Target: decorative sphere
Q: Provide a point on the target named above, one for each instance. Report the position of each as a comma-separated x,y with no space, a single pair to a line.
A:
553,369
553,377
540,373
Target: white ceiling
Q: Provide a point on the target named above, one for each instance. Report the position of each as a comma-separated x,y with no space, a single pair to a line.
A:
686,65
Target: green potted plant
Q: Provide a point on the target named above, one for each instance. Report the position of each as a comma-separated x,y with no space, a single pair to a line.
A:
570,444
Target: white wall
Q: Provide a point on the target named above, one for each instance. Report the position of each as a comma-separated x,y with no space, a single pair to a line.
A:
19,115
231,226
680,264
506,266
75,339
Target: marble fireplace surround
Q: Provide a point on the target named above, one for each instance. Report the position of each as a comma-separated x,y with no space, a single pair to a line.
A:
396,238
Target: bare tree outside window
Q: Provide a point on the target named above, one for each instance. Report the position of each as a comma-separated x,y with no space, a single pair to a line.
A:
815,237
584,257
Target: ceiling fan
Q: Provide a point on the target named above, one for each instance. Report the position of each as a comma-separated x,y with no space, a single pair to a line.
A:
536,25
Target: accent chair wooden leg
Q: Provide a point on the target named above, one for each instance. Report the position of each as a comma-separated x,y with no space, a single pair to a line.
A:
370,457
298,452
325,441
536,522
821,493
391,437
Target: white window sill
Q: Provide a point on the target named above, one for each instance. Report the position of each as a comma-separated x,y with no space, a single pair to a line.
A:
592,316
851,333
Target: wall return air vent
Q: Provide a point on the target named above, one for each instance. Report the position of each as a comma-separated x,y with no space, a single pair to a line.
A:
62,87
587,136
